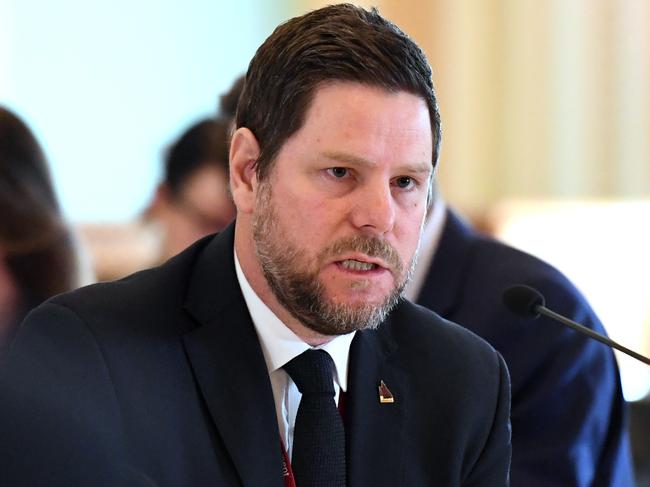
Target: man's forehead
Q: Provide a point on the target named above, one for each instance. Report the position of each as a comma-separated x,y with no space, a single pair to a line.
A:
360,88
355,111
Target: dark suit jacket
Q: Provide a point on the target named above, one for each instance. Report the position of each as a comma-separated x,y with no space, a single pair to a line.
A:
568,414
163,374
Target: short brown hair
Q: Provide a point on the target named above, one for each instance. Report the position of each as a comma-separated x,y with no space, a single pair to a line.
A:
337,43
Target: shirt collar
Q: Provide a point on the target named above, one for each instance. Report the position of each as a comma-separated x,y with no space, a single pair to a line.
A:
280,344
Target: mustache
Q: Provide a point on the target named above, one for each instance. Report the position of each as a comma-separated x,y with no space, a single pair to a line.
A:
370,246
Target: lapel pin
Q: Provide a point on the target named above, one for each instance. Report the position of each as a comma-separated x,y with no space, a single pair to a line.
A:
385,396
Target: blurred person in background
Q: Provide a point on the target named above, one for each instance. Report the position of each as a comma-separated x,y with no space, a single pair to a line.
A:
193,201
190,202
38,257
568,413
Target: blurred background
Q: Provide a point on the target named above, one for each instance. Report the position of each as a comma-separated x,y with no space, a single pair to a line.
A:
545,109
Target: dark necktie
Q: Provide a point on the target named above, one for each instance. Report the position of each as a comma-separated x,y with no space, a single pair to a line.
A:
318,458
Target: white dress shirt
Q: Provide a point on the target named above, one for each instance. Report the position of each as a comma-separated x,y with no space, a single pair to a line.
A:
280,345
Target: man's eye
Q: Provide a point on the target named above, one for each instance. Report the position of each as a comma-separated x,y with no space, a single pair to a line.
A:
338,172
403,182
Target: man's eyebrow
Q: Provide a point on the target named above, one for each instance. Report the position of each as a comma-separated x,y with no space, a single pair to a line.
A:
343,157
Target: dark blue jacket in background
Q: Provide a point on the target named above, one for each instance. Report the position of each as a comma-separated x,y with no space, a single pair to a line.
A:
568,413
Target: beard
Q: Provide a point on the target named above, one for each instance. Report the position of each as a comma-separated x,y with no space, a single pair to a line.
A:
296,284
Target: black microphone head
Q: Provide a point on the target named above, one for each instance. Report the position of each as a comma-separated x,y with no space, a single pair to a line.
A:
523,300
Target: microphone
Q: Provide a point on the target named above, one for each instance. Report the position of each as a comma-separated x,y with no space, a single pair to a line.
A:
528,302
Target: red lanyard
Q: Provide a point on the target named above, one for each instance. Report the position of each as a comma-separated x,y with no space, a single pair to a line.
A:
287,473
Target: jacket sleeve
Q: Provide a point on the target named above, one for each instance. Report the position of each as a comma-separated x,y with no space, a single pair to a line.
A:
569,415
58,411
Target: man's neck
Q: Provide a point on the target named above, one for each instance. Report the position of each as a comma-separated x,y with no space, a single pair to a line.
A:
252,269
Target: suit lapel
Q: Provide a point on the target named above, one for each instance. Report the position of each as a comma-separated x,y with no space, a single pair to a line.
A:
375,430
441,287
229,366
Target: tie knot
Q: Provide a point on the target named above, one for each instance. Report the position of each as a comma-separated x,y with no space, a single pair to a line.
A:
312,371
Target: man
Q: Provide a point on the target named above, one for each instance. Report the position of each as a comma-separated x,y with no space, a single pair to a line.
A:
568,412
226,365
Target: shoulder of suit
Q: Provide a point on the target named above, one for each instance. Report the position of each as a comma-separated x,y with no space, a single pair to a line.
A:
418,327
158,288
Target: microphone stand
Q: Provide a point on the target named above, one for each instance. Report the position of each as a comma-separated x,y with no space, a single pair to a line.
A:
543,310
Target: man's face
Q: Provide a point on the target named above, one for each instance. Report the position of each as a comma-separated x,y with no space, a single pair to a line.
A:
337,223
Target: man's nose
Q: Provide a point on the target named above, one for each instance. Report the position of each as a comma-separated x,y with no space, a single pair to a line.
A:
373,209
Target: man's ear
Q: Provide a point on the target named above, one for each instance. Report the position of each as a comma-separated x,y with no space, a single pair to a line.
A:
244,151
